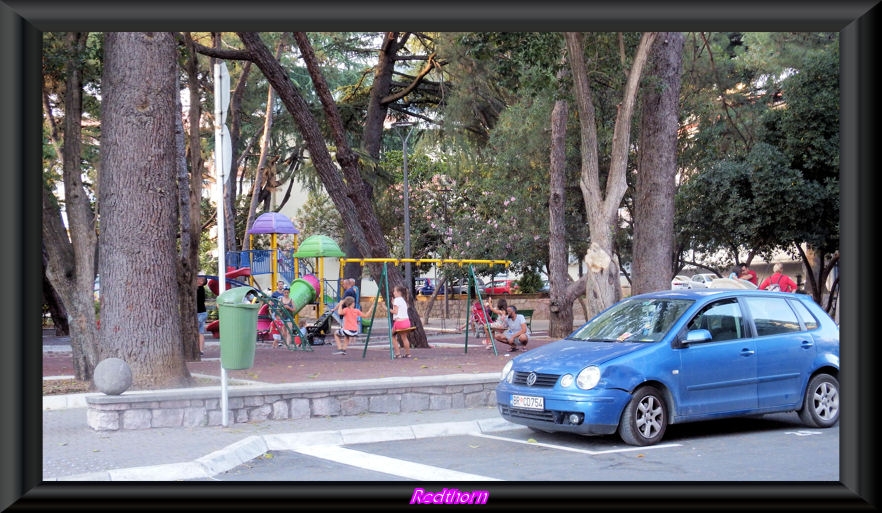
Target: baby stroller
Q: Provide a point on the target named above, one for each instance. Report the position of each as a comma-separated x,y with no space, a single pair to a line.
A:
315,334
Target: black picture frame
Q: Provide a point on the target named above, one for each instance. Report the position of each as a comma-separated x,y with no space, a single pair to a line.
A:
21,23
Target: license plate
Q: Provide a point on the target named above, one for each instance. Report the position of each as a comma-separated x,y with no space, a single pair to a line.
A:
527,402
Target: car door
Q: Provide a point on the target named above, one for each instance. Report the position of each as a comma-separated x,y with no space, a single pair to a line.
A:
785,351
719,375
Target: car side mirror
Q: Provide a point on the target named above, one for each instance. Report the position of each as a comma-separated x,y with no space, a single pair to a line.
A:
697,336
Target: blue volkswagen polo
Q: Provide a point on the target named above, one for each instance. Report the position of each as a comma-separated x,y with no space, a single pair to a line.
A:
678,356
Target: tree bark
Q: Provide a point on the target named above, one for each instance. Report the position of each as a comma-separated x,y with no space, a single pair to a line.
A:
261,173
70,265
140,324
560,306
602,203
189,205
653,255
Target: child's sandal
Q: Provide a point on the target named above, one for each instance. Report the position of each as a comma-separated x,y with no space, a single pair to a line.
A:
406,356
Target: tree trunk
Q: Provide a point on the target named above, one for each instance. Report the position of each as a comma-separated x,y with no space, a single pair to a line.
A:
190,194
54,303
349,195
602,204
652,267
560,306
70,265
261,173
138,255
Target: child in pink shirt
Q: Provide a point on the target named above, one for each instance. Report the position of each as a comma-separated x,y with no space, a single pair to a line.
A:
350,316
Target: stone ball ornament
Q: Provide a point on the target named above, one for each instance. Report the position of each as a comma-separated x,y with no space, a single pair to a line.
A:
113,376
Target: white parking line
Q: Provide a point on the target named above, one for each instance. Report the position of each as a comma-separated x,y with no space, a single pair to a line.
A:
573,449
386,465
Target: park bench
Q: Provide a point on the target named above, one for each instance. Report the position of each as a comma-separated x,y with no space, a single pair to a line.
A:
528,316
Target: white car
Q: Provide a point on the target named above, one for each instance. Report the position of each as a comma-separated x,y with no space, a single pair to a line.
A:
701,281
730,283
680,282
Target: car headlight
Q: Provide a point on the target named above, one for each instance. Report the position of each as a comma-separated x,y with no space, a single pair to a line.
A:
506,372
588,378
566,380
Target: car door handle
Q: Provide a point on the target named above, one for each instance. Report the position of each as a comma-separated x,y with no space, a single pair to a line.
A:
747,352
807,344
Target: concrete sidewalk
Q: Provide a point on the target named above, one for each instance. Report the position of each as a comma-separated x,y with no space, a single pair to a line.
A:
74,452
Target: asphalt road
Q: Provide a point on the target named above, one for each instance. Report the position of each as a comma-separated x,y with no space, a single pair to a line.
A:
773,448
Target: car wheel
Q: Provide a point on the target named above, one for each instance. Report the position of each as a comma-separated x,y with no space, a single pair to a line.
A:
820,407
645,418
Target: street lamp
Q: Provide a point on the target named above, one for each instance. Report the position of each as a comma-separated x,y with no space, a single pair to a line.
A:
408,277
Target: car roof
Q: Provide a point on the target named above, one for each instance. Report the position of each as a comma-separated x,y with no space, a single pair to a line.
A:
702,293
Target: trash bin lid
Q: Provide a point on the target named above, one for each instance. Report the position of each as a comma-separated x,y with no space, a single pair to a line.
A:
237,295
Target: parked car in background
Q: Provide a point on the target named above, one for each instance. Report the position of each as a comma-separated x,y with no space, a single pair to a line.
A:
671,357
497,287
701,281
680,282
731,283
426,287
461,286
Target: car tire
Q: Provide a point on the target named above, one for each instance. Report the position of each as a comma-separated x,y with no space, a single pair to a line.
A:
645,418
820,406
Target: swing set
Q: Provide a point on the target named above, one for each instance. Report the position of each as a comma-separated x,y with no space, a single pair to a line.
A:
384,280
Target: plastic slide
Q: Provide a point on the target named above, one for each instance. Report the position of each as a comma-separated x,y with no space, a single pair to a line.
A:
303,292
231,281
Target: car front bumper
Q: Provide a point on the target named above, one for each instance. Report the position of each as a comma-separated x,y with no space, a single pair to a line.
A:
590,412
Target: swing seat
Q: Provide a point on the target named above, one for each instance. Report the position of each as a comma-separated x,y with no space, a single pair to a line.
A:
405,330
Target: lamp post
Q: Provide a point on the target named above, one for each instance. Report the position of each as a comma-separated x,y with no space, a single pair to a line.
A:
408,277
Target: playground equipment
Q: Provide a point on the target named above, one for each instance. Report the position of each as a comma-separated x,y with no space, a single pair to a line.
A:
302,293
280,264
214,286
319,247
384,280
274,223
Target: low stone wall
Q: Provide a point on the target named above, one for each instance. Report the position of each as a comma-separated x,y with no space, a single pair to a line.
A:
458,306
255,403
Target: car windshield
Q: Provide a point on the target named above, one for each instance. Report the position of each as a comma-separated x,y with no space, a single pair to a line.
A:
634,320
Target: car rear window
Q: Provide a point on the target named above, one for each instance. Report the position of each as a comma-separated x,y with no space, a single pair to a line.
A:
809,320
772,315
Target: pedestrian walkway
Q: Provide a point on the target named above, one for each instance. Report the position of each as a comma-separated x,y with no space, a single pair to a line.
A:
74,452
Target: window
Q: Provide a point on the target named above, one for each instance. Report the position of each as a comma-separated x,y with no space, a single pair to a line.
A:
772,316
805,316
722,319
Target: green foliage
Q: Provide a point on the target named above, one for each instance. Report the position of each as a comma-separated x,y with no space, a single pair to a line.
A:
530,282
765,146
318,216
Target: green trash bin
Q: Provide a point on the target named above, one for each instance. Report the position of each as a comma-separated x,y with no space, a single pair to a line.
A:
238,327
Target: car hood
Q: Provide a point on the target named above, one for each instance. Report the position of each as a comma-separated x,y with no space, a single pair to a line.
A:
574,355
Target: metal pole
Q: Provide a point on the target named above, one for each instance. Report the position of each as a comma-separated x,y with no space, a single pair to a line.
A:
222,151
408,277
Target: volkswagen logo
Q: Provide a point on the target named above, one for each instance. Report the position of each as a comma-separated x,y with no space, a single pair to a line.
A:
531,379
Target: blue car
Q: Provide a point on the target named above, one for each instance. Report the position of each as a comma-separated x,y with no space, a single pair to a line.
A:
677,356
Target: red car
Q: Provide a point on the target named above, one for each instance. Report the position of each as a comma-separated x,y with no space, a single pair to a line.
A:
497,287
